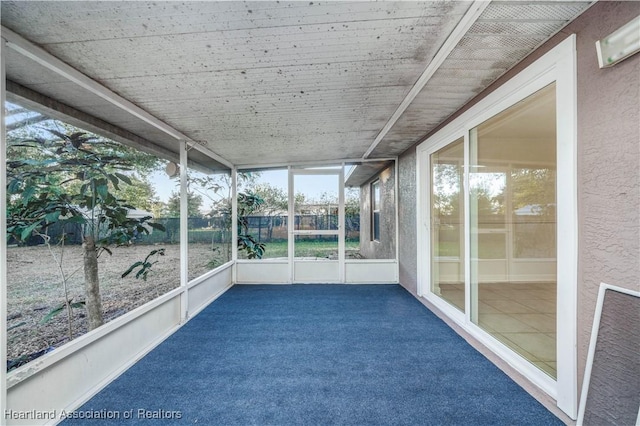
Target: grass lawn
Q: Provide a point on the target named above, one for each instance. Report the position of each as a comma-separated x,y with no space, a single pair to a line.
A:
309,248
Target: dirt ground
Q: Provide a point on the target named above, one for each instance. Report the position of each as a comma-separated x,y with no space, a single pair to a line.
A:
35,288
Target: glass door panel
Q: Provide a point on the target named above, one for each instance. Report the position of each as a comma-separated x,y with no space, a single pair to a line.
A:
316,247
352,213
267,222
316,201
447,224
512,184
316,228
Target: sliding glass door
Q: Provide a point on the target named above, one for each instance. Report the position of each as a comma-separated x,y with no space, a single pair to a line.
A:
498,222
492,227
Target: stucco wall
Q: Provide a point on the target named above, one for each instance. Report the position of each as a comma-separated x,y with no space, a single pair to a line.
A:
407,209
385,248
614,389
608,167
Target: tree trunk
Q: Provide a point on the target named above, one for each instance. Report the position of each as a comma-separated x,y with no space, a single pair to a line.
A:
91,284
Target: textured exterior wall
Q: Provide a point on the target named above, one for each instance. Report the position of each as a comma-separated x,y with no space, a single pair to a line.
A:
608,167
614,388
386,247
407,210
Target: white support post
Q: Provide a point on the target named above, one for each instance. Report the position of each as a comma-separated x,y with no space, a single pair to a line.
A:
291,226
234,222
567,230
184,233
341,227
396,198
422,207
3,244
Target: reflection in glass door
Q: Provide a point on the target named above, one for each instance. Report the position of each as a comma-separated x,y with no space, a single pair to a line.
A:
318,212
447,224
512,201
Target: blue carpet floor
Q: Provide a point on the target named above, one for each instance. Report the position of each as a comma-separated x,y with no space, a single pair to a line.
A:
316,355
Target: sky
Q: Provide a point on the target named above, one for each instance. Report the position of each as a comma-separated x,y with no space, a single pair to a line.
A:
312,186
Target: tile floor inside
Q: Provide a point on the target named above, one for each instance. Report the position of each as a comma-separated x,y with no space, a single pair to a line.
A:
520,315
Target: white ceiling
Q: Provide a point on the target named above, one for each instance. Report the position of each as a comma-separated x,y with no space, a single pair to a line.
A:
264,83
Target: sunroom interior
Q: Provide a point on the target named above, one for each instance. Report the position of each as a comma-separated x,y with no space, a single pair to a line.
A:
308,96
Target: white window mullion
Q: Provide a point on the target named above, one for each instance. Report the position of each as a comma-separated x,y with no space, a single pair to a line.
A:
3,244
421,223
567,232
184,232
470,303
341,227
234,222
291,225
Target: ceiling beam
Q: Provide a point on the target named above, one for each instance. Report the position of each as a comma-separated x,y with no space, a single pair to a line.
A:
468,19
53,109
25,122
26,48
312,163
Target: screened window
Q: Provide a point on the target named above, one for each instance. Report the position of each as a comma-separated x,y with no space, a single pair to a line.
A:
375,210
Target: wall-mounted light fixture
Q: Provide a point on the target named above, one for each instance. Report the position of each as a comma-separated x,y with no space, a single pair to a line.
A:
620,44
172,169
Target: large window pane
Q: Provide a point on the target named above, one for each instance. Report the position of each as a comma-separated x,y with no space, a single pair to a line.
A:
67,187
263,211
513,219
534,212
316,202
352,223
209,223
447,224
316,207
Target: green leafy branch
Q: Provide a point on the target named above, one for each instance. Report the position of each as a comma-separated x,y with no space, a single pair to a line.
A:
247,204
60,309
145,265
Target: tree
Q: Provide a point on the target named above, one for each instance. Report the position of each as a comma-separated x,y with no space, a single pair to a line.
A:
352,202
299,199
144,163
447,184
534,187
275,200
217,188
194,202
72,179
139,193
352,212
248,204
